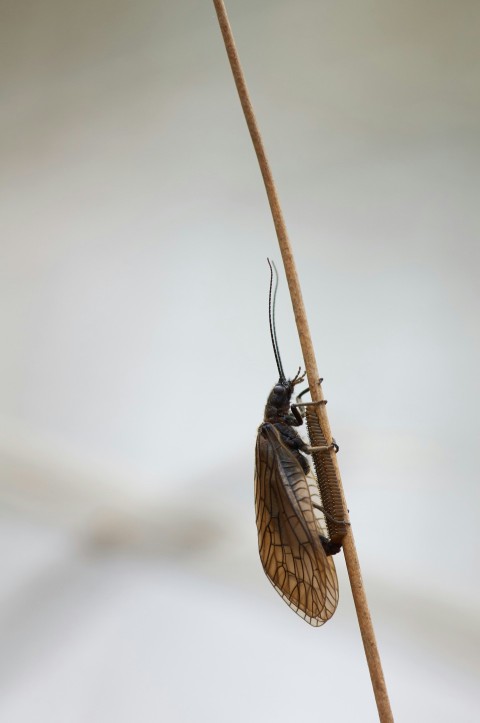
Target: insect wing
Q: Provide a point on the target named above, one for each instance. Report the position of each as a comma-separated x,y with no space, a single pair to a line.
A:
292,555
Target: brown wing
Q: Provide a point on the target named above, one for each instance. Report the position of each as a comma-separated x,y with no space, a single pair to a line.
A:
288,532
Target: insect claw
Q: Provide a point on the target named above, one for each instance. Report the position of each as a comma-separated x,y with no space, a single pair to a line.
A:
333,446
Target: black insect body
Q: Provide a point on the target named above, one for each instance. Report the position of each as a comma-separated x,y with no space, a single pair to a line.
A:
279,413
294,549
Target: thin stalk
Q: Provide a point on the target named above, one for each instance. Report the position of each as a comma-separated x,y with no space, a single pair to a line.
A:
349,549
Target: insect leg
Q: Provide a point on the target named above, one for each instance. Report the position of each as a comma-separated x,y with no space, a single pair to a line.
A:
298,410
333,445
310,404
330,517
299,396
294,442
297,415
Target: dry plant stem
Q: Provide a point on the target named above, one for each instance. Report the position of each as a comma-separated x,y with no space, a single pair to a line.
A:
351,558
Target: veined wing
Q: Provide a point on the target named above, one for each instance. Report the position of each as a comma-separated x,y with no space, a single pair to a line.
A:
289,532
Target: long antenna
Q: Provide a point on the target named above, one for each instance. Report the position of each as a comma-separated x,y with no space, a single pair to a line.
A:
351,558
271,319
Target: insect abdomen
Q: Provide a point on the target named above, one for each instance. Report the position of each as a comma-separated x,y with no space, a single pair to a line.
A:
289,543
327,479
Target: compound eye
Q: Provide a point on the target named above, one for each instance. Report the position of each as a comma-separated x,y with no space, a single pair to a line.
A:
279,389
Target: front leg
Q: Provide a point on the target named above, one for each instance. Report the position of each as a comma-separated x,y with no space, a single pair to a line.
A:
295,419
298,410
305,391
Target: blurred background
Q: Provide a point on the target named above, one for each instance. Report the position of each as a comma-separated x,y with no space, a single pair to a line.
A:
136,357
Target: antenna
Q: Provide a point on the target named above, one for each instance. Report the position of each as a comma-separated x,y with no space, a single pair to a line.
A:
271,318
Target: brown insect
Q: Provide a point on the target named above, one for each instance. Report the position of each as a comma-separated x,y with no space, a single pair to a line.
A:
294,549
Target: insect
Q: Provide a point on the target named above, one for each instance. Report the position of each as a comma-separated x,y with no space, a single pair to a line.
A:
294,550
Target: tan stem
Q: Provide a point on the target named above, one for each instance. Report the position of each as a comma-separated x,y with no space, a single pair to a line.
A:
351,558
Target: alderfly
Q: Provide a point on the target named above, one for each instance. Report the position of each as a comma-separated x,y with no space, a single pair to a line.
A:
295,551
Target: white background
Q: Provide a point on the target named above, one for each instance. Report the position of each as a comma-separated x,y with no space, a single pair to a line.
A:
136,356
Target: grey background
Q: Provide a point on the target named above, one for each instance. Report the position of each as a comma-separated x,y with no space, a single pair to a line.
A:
136,356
